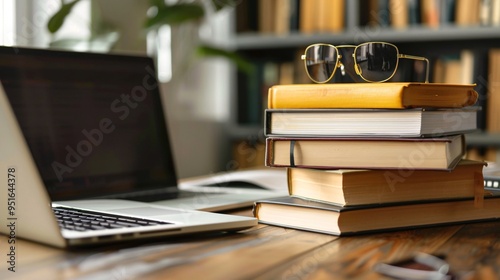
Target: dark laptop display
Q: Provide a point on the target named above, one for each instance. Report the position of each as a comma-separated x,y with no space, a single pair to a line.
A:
94,123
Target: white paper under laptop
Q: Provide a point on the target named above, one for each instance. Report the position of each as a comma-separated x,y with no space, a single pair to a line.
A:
84,126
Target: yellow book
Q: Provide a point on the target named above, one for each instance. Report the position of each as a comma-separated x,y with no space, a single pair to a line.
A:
371,95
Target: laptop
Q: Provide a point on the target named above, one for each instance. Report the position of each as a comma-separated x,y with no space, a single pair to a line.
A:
85,135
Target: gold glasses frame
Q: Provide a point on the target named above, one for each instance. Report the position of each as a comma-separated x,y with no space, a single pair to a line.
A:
357,68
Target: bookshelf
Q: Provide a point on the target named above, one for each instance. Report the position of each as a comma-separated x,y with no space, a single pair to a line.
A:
363,22
417,34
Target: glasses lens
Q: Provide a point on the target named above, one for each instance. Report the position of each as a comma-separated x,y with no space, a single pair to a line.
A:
321,61
377,61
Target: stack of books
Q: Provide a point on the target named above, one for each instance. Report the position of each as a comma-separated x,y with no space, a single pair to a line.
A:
372,157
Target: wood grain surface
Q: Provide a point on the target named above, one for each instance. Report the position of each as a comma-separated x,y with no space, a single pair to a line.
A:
264,252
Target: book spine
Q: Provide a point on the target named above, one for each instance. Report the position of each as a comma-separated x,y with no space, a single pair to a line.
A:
324,98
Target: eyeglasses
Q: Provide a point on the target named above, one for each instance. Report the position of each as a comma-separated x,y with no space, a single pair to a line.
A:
373,61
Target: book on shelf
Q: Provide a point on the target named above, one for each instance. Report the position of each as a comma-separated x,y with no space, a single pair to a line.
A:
266,15
246,16
465,67
414,13
468,12
321,16
351,187
281,17
330,16
380,14
436,13
452,71
399,11
430,11
307,9
298,213
369,122
494,18
493,97
371,95
456,68
440,153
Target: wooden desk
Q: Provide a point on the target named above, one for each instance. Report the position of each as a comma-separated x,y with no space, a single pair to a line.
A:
265,252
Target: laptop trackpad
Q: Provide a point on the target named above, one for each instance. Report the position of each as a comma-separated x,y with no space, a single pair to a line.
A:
147,211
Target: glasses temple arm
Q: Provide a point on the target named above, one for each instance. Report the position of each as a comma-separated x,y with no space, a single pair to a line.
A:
421,59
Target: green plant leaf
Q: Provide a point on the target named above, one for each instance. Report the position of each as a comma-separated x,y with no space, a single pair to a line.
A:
57,20
221,4
175,14
242,64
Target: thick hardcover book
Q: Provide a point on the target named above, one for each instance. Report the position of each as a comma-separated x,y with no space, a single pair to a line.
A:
294,212
371,95
369,122
440,153
348,187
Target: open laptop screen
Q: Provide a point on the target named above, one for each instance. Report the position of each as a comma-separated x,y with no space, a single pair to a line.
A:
94,123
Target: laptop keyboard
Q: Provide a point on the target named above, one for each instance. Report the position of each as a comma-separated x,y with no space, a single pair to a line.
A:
79,220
